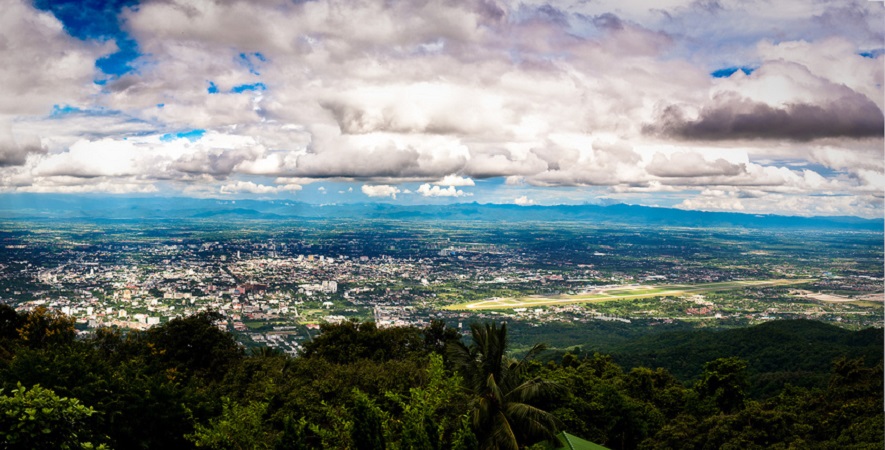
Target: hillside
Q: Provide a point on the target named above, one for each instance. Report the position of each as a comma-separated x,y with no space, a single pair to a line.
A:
798,352
188,384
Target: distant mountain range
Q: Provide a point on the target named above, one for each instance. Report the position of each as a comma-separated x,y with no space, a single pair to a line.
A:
56,206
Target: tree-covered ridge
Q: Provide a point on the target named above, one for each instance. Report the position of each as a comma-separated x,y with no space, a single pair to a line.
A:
797,352
188,384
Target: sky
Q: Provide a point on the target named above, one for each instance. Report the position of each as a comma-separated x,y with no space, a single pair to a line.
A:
734,105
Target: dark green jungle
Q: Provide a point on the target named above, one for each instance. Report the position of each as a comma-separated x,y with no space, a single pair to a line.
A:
186,384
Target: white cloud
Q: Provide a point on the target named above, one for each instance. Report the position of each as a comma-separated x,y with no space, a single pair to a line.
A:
682,164
43,65
760,202
249,187
444,93
523,201
454,180
380,190
86,159
427,190
74,185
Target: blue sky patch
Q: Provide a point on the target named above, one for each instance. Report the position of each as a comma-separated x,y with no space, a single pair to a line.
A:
251,60
729,71
872,54
212,89
64,110
191,135
248,87
97,20
119,63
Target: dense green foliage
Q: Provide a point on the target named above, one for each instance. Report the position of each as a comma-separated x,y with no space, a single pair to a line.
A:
796,352
188,384
504,412
40,419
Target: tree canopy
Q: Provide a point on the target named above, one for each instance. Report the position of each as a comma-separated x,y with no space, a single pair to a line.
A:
187,383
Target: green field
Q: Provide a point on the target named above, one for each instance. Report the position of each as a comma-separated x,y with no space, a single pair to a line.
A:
623,293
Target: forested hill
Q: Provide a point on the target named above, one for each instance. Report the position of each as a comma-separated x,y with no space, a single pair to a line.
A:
798,352
188,384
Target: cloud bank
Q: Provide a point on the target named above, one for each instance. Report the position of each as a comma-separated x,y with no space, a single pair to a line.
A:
608,99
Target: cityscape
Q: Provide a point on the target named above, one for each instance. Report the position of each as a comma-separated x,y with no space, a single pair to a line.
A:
276,282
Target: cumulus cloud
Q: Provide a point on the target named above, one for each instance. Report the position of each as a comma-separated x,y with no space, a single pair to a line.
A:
783,204
15,152
75,185
578,161
89,159
679,165
523,201
42,64
250,187
436,191
455,180
801,91
571,94
380,190
503,163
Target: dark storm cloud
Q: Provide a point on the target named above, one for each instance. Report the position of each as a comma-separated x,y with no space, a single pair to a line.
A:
850,117
12,154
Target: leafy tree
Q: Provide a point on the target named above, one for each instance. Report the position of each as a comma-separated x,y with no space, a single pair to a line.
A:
851,413
724,381
503,415
598,402
293,435
438,336
188,383
41,328
658,387
194,345
431,414
40,419
349,341
240,427
10,321
137,404
464,438
419,430
368,423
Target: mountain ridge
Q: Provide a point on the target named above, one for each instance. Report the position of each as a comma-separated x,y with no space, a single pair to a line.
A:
59,206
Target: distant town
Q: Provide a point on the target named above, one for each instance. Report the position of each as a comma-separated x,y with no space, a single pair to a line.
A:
276,282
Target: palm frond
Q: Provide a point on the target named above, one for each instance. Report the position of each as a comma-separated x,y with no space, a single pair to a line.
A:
533,390
532,422
501,436
493,392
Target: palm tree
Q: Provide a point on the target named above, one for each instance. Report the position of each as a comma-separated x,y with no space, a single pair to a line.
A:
503,416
